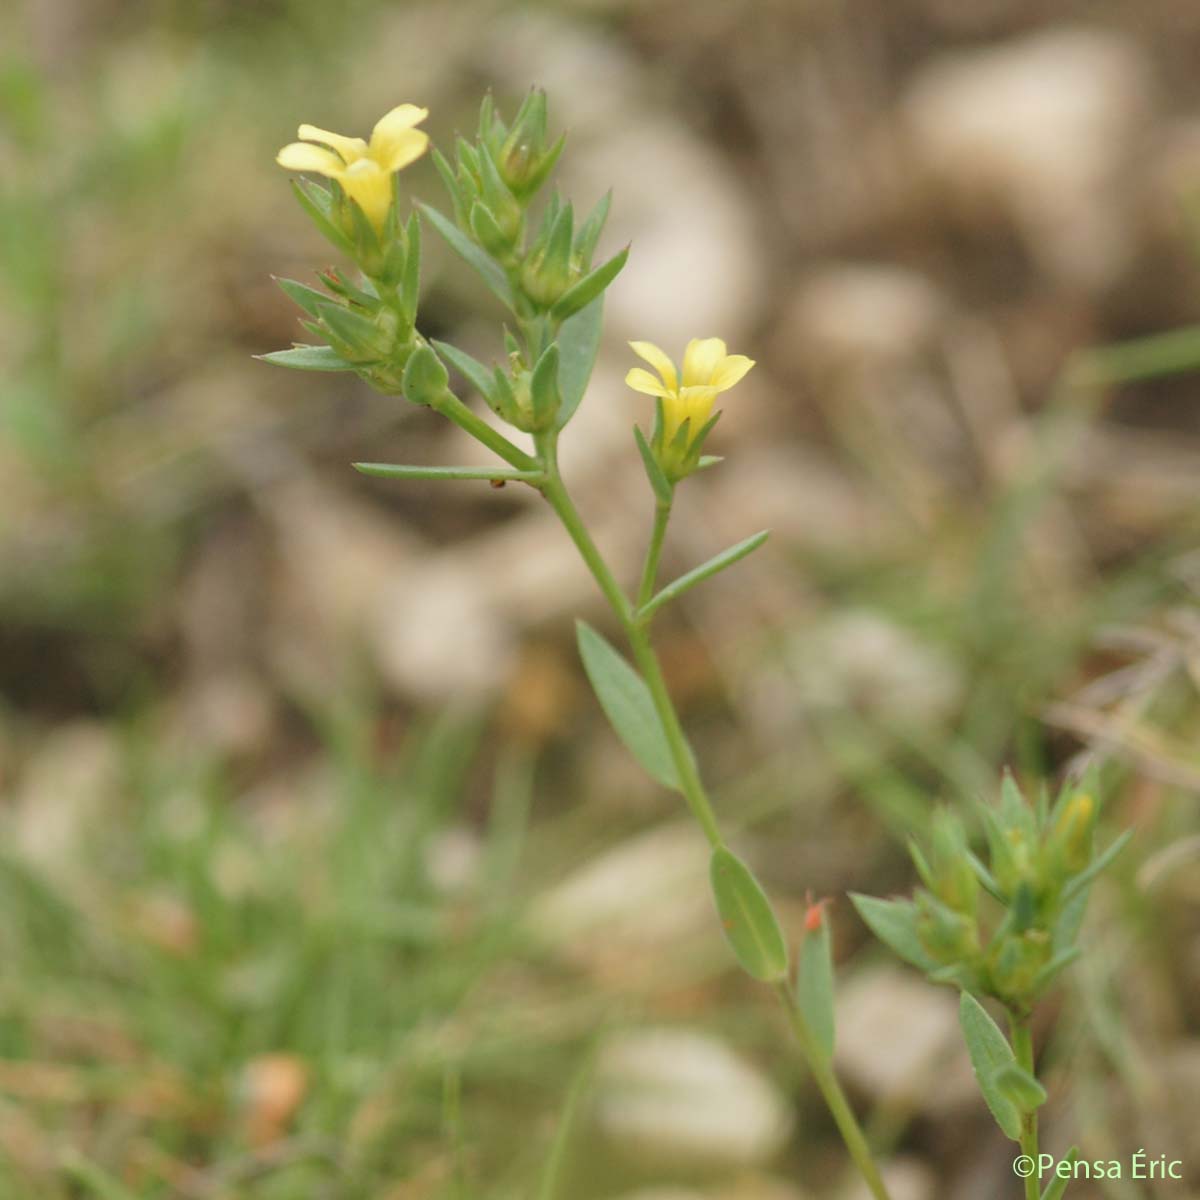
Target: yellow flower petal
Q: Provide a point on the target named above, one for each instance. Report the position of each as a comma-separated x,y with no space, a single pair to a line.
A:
370,186
405,147
642,381
730,370
393,127
658,360
350,148
302,156
701,359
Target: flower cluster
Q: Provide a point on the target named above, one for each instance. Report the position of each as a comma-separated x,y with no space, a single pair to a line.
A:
1042,861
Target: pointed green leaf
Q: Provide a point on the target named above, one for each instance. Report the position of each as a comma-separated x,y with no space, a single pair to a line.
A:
894,922
578,345
747,918
1080,881
1021,1089
400,471
410,282
479,376
626,701
588,288
658,481
814,985
318,203
589,232
706,570
308,298
488,268
989,1051
307,358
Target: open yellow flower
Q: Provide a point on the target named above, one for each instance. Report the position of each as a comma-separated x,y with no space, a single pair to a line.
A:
364,169
707,370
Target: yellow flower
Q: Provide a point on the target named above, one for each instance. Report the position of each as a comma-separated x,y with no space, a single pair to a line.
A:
707,371
364,169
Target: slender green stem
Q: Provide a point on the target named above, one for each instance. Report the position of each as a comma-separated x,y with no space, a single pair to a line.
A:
449,405
831,1090
1022,1036
662,515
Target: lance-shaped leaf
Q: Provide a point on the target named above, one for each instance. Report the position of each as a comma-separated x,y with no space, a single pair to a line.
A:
627,703
814,981
1025,1093
479,376
410,282
706,570
318,203
308,298
578,345
989,1051
589,232
1085,877
894,922
1057,1187
663,490
488,268
588,288
402,471
308,358
747,918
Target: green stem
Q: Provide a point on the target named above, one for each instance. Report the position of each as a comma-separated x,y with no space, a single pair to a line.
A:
689,777
449,405
1022,1037
662,514
835,1098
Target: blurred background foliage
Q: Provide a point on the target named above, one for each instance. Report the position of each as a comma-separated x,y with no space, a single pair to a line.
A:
321,874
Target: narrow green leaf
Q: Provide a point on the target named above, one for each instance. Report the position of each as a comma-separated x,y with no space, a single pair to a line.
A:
578,345
488,268
410,282
626,701
589,232
588,288
307,358
1080,881
479,376
1021,1089
894,922
989,1051
308,298
398,471
747,918
814,984
658,481
1057,1187
706,570
318,203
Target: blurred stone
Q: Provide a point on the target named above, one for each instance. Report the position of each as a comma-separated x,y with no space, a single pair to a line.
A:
452,859
898,1040
617,912
273,1087
863,659
848,312
1048,129
673,1097
68,786
905,1179
230,712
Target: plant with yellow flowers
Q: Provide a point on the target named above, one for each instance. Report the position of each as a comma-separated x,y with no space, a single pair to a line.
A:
539,262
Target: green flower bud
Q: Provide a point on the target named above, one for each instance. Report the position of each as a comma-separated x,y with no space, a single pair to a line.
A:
948,936
1015,963
1069,848
425,377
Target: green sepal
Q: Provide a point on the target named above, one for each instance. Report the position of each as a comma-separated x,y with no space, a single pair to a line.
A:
317,202
747,918
589,233
307,358
488,268
588,288
663,490
989,1051
543,389
410,281
356,332
487,233
308,298
453,187
628,705
894,922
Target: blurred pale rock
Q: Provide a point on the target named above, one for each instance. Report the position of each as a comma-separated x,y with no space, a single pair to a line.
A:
68,785
848,312
1048,128
230,712
864,659
452,859
674,1097
899,1041
618,911
905,1178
